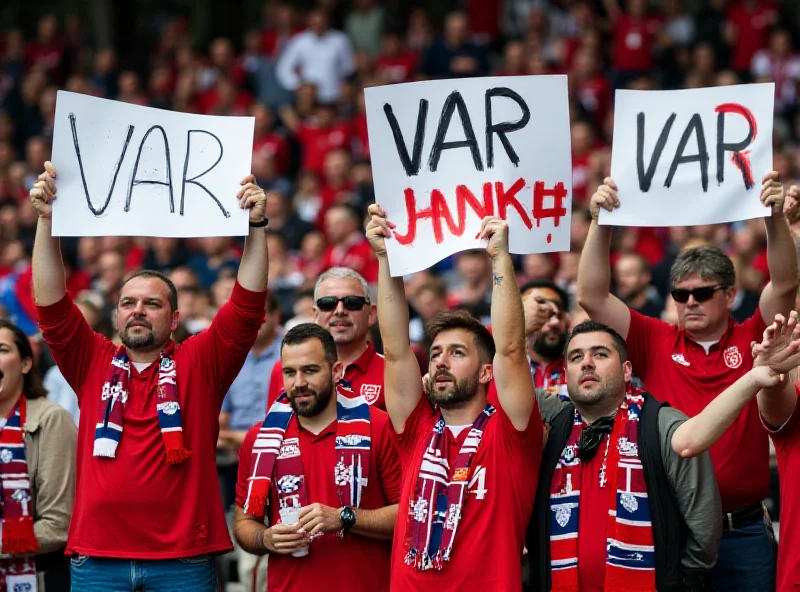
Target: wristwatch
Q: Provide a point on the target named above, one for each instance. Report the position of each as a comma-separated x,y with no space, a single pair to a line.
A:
260,224
348,517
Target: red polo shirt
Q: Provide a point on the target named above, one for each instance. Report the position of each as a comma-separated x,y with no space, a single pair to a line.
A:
365,375
676,369
354,563
136,506
787,449
497,504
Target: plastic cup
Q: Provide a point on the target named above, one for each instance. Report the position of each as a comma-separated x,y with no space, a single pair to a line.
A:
291,516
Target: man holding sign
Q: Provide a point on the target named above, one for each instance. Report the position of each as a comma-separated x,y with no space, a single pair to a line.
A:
470,468
139,518
690,364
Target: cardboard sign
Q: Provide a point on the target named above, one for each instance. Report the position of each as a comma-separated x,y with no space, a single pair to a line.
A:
686,157
447,153
125,170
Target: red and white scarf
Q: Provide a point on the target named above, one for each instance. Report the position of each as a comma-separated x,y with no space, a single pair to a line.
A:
276,455
630,558
18,537
435,510
108,431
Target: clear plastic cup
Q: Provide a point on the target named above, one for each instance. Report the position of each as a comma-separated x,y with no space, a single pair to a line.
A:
291,516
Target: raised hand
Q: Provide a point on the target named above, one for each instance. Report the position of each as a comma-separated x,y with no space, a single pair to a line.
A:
772,193
43,191
495,230
252,197
605,197
779,350
378,229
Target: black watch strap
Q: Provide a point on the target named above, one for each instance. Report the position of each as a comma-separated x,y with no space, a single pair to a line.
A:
261,224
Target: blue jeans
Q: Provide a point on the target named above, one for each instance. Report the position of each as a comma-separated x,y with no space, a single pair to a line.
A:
97,574
747,559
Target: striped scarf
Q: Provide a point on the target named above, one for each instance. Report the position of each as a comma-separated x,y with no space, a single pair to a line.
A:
630,559
435,510
18,537
276,455
108,431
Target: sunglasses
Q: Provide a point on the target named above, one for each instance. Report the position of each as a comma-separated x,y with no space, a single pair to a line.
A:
329,303
700,294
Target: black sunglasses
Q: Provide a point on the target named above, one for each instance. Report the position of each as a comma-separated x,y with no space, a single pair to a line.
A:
329,303
700,294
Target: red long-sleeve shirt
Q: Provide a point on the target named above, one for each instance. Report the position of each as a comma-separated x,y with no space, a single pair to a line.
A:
136,506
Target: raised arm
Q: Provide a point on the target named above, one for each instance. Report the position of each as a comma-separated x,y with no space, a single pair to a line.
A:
511,371
776,356
49,281
779,295
254,267
402,378
594,269
777,403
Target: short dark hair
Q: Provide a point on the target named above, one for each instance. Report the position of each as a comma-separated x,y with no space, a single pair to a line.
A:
152,273
461,319
710,263
597,327
32,386
304,332
547,285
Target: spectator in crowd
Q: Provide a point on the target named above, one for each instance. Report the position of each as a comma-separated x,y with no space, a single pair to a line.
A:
344,525
448,552
706,353
454,56
139,470
673,500
633,278
343,306
319,55
428,300
348,247
365,26
37,445
546,342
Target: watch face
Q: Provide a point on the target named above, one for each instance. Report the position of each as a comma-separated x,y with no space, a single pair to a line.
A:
348,517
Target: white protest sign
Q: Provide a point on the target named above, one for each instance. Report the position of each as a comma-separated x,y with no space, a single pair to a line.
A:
446,153
125,170
686,157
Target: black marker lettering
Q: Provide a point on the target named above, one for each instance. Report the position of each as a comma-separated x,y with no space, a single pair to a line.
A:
501,129
439,144
193,180
135,181
646,178
412,164
95,211
695,124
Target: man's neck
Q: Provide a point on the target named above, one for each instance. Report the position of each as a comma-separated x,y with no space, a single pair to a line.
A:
605,408
350,352
710,335
261,345
464,413
7,404
144,357
322,420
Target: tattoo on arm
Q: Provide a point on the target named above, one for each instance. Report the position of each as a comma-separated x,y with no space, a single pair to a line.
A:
498,279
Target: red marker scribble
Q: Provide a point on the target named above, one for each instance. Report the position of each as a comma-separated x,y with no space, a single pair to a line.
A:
558,193
740,156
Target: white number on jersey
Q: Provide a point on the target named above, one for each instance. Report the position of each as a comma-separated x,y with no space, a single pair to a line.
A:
478,481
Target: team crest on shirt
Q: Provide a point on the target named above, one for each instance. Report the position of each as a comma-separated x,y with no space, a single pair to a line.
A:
370,392
732,357
680,359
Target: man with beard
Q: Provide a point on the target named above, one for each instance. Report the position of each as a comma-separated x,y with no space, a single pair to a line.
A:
149,414
342,306
332,459
632,277
546,342
469,468
609,453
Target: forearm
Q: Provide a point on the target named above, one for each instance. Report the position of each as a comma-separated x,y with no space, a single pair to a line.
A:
392,313
508,321
777,404
49,281
699,433
376,524
254,266
250,536
594,269
781,255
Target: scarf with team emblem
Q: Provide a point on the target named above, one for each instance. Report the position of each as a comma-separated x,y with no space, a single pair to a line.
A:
18,537
276,455
108,431
630,555
435,509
